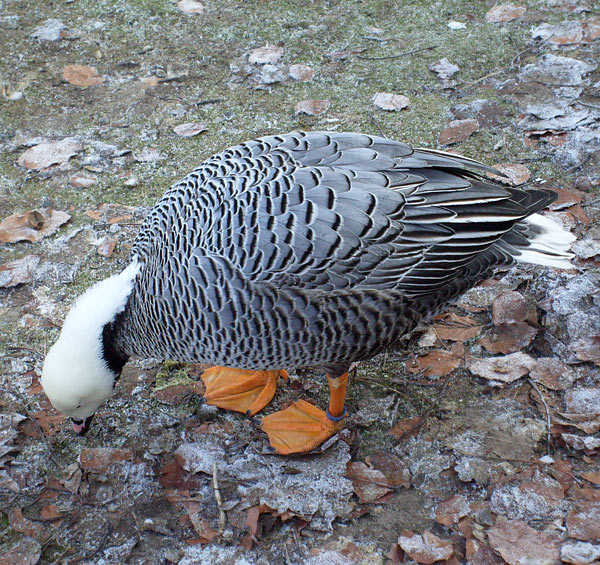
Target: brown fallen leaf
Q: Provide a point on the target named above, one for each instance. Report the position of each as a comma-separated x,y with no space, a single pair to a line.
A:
425,548
458,130
479,553
519,544
583,521
190,7
592,477
456,333
51,513
189,129
254,515
32,225
369,484
511,308
392,467
591,30
514,173
82,75
451,510
504,13
406,426
504,369
437,363
20,524
265,55
203,528
553,373
588,349
27,551
176,394
19,271
107,246
312,107
566,198
301,72
390,102
82,181
583,443
149,155
508,338
99,458
45,155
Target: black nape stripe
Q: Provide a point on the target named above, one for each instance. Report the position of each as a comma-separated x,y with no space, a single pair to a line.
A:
113,357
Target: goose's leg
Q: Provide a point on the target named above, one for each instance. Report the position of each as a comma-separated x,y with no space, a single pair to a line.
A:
240,390
303,427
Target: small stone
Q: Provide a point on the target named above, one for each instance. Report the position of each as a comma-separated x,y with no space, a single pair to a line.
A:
190,7
312,107
504,13
82,181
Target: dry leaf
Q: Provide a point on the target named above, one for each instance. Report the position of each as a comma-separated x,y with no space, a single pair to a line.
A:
312,107
107,246
514,173
426,548
301,72
552,373
519,544
509,338
190,7
47,154
444,68
25,552
451,510
20,524
580,553
149,155
566,198
437,363
503,369
82,181
582,443
456,333
99,458
512,307
190,129
81,75
369,484
390,102
31,226
583,522
504,13
588,349
392,467
264,55
458,130
19,271
406,426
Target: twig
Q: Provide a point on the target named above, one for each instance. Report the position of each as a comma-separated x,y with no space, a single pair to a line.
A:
398,55
222,517
548,435
19,348
209,101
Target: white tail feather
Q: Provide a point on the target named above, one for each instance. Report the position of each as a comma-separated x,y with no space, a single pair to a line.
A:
550,247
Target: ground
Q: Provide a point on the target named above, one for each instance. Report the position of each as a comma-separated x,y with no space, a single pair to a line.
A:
475,441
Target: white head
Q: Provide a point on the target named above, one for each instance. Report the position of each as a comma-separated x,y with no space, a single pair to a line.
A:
75,376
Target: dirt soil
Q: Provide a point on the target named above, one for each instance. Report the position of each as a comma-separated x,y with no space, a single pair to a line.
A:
475,441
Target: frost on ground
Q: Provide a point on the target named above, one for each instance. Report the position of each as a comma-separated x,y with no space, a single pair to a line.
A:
475,441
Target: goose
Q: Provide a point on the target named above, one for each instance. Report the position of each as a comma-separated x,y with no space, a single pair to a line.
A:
307,249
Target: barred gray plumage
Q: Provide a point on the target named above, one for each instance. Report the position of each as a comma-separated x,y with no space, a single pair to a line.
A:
313,249
306,249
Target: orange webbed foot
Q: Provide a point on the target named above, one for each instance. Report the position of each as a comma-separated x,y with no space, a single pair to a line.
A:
241,390
300,428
